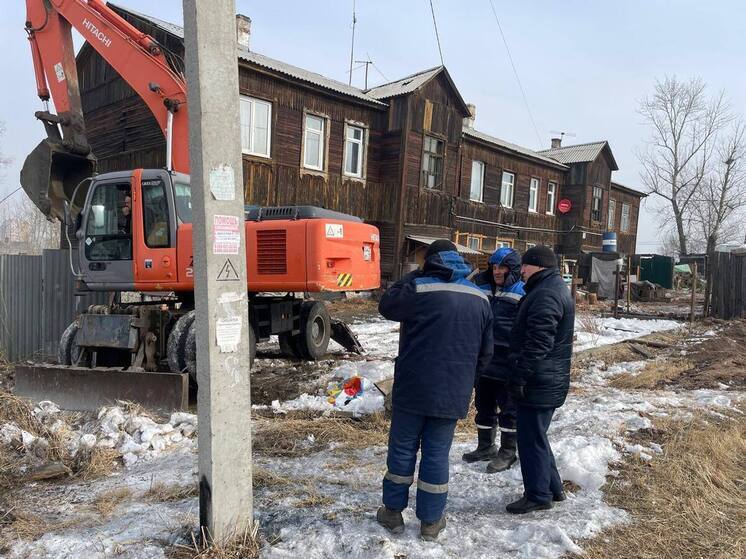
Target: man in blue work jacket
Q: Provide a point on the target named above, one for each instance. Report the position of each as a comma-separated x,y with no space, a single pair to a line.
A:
502,284
445,338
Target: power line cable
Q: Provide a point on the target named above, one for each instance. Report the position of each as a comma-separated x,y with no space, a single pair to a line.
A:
437,36
515,71
9,195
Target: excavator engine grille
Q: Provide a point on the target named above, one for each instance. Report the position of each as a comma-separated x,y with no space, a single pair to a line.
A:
272,251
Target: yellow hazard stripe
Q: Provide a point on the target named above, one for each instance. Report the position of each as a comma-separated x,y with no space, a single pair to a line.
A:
344,280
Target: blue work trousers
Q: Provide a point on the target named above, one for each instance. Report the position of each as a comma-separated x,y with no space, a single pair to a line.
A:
408,434
541,480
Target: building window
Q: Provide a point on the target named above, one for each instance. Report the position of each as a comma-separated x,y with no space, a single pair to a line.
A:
313,141
612,214
504,244
432,162
488,244
533,195
508,187
477,181
530,245
354,150
551,194
474,243
256,125
625,218
596,203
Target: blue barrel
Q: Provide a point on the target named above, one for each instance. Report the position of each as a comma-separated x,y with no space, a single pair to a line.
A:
608,242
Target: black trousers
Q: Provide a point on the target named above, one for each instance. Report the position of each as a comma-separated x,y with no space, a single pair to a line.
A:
541,480
492,395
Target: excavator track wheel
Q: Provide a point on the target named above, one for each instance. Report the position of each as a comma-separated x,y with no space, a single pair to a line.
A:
177,339
315,330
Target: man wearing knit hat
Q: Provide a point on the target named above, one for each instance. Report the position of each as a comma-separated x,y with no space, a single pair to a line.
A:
445,338
539,379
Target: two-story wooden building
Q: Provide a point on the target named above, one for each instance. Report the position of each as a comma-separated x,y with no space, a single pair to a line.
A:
404,156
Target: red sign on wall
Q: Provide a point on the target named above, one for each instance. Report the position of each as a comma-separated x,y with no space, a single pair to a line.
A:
564,205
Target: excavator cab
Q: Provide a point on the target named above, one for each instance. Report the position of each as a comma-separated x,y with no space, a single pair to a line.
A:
127,232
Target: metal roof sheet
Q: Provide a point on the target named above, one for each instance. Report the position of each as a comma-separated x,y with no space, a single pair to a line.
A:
270,63
575,154
512,147
430,240
403,85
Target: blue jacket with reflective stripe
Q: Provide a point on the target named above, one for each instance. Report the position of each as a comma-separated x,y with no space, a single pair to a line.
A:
504,301
445,337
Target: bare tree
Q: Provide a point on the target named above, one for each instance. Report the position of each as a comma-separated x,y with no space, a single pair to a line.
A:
684,122
24,228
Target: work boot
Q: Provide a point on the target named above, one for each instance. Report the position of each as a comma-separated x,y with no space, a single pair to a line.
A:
486,449
506,456
429,530
559,497
390,519
524,505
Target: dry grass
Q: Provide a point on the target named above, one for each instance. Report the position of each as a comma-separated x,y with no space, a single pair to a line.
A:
105,503
163,493
95,462
690,502
244,544
653,375
265,478
590,324
289,436
23,525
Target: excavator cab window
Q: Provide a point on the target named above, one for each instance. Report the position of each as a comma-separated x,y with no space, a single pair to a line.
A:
183,197
155,214
108,233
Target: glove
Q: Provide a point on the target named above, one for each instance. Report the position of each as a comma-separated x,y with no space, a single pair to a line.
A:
517,391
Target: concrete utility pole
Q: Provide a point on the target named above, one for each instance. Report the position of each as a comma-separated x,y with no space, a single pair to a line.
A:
224,401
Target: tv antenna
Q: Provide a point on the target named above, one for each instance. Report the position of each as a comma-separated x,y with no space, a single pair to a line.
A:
563,134
365,63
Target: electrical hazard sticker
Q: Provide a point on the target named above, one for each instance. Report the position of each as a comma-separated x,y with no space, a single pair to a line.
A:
335,231
344,280
228,272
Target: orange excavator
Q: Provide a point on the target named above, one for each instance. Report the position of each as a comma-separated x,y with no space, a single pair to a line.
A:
133,229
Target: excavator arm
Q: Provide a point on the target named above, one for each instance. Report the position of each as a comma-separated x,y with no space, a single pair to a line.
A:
52,172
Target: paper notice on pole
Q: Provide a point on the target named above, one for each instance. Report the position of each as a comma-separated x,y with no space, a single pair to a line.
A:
223,182
228,333
226,237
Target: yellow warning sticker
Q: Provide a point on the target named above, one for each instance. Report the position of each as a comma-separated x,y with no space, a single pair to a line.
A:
344,280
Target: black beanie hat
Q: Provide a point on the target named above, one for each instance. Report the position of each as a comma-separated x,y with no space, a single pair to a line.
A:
441,245
541,256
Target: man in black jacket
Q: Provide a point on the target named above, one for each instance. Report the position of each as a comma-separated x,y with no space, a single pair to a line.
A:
540,353
446,336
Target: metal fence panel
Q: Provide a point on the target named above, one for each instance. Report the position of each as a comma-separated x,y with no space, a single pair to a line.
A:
20,306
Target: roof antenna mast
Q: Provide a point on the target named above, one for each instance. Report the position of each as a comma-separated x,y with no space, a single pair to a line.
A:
352,47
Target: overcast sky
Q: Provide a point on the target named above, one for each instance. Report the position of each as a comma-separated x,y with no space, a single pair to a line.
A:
584,64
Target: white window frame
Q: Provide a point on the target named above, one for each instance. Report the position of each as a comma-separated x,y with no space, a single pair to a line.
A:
625,221
551,195
597,190
478,240
504,201
479,166
363,143
611,214
533,190
530,245
253,102
322,140
503,244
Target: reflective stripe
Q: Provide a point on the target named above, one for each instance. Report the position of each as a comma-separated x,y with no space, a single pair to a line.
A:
430,287
432,487
484,426
508,295
506,430
406,480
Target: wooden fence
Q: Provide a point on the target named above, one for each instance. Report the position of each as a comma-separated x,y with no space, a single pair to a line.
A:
729,284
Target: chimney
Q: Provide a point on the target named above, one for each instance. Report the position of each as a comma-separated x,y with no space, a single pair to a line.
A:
469,120
243,31
556,143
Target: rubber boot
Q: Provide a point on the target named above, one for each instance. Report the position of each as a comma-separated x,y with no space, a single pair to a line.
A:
486,449
506,456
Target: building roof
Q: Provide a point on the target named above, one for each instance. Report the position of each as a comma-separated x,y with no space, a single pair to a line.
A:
411,83
580,153
624,188
270,63
520,150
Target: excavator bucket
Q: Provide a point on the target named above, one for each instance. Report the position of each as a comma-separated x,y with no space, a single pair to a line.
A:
344,336
50,175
